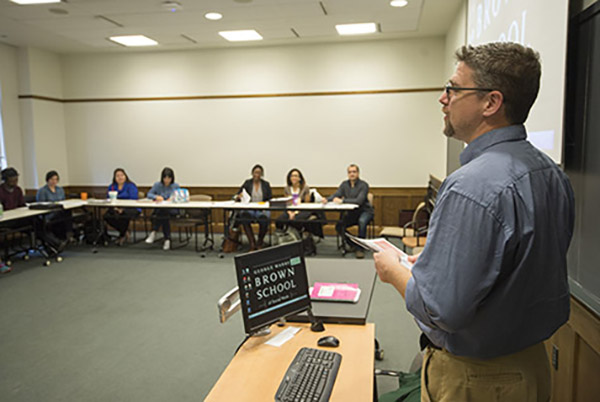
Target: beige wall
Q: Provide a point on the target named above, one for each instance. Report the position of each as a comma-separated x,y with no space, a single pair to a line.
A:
42,121
395,138
456,37
10,106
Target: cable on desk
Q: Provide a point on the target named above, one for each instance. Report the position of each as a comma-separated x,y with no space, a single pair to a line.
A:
241,344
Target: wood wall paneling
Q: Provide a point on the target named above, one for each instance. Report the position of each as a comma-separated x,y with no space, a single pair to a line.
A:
578,345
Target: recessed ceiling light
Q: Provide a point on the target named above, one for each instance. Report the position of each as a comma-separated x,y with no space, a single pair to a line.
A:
241,36
398,3
172,6
213,16
356,29
134,40
25,2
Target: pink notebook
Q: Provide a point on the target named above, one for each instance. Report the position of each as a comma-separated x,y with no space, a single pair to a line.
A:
338,292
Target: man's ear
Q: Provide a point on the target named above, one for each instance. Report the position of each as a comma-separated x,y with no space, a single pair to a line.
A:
494,102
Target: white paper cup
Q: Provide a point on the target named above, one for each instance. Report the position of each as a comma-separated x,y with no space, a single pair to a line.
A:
112,195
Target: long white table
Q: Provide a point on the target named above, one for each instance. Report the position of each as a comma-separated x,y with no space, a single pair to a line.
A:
225,206
230,205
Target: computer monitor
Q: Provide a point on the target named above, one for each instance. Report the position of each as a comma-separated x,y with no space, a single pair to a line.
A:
272,285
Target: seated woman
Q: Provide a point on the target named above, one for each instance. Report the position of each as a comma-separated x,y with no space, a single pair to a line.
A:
259,191
161,191
300,192
59,224
51,192
119,218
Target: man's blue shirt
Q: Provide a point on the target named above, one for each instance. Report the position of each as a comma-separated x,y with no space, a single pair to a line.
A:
492,279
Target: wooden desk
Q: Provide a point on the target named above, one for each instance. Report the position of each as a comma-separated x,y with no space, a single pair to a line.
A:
257,369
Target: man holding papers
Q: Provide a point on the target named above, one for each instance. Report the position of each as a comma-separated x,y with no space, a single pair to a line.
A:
491,284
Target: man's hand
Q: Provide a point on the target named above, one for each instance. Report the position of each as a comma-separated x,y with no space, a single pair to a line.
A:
391,271
324,200
338,200
159,198
413,258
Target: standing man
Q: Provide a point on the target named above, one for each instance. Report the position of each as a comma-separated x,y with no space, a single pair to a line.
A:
353,191
491,284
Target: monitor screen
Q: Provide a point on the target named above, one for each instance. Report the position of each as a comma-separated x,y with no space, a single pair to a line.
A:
272,284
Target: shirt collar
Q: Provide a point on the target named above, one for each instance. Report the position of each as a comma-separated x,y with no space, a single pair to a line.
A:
491,138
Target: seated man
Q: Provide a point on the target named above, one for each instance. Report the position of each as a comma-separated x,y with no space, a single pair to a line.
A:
353,191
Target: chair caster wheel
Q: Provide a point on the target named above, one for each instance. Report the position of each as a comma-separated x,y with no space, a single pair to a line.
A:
59,259
47,263
105,244
221,255
94,250
379,354
202,255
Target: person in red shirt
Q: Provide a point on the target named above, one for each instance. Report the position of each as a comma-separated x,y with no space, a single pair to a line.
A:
11,197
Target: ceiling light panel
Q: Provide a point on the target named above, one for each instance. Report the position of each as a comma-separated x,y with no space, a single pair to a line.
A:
30,2
398,3
243,35
356,29
133,40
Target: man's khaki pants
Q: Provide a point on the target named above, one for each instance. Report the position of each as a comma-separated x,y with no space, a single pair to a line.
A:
522,376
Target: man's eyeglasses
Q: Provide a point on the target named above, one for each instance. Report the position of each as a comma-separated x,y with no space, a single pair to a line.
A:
449,88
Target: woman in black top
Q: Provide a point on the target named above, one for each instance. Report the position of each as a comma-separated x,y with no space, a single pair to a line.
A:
259,190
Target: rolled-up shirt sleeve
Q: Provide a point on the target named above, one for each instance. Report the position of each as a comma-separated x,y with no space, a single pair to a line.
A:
459,266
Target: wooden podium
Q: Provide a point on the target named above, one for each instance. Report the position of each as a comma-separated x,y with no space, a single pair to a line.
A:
257,369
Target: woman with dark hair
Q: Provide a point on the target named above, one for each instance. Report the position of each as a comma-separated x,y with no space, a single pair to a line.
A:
259,190
11,197
300,192
59,225
51,191
119,218
161,191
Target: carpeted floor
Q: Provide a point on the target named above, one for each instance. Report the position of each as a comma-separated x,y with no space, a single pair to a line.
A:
140,324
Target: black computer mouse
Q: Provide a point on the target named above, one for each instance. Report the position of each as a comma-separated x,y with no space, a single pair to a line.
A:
330,341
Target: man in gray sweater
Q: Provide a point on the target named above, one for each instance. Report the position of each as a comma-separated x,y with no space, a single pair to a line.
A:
353,191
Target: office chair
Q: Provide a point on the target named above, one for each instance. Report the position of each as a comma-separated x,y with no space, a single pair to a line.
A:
190,221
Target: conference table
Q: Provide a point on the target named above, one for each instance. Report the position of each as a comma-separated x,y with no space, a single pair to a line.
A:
97,205
21,220
225,206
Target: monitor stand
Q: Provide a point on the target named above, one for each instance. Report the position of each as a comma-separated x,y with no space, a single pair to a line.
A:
316,325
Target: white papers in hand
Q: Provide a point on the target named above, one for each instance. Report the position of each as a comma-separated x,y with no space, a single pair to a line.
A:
381,244
245,197
317,197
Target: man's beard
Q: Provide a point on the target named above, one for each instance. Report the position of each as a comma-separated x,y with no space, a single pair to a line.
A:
449,129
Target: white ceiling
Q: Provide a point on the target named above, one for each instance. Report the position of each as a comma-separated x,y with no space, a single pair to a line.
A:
87,25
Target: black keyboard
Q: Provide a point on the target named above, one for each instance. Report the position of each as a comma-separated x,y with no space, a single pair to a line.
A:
310,377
